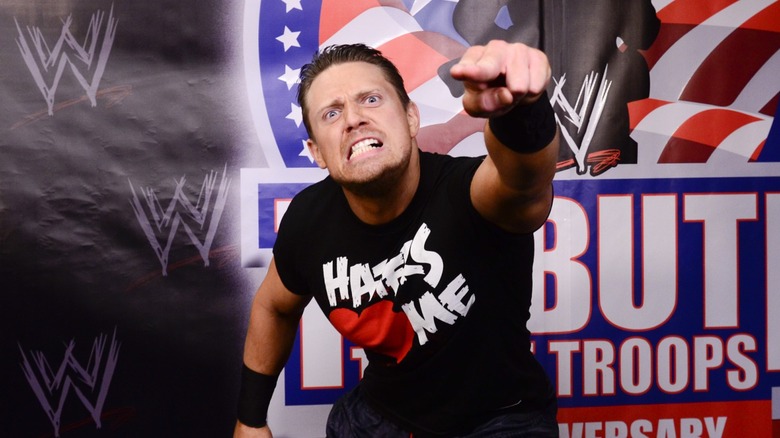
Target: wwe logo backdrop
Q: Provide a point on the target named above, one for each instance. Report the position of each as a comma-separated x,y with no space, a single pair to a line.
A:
166,220
87,61
90,383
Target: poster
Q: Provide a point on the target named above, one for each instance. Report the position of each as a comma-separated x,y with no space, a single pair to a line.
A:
148,151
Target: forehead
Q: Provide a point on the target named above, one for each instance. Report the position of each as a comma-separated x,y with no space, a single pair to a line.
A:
346,79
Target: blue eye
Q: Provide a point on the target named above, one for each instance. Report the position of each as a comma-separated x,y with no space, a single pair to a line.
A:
372,99
330,114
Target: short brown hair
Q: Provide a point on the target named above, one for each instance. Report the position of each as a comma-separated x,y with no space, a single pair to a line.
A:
341,54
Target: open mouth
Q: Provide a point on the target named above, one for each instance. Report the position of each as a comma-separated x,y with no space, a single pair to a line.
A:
364,146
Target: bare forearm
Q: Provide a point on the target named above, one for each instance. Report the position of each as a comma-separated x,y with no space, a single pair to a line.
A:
269,338
273,322
506,84
519,186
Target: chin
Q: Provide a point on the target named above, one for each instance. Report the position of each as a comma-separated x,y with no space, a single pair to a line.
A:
378,185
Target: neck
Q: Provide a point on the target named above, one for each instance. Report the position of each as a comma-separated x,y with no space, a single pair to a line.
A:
381,208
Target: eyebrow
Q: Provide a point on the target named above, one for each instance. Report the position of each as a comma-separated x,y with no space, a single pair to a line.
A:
339,100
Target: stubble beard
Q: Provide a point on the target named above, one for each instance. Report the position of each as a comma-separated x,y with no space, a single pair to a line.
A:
382,184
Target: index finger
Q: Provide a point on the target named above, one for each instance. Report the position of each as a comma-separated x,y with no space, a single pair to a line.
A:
527,71
478,64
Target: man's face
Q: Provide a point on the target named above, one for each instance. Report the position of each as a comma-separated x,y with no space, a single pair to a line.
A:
360,130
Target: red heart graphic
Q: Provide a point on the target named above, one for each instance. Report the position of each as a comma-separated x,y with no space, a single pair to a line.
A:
378,328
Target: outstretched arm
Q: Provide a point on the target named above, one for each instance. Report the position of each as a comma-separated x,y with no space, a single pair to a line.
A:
273,323
506,83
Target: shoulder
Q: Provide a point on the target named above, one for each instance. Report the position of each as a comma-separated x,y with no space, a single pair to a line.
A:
324,187
454,172
314,196
312,205
438,164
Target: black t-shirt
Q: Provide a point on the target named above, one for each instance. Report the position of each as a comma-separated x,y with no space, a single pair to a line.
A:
439,298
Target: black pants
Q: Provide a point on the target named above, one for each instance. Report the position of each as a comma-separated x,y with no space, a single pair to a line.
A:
352,417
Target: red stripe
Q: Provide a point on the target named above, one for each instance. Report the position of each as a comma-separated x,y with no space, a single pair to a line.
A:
757,152
680,150
639,109
416,61
335,14
696,139
768,19
729,67
692,11
711,127
677,19
668,35
771,107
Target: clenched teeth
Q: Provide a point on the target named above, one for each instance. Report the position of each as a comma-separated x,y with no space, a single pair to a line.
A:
364,146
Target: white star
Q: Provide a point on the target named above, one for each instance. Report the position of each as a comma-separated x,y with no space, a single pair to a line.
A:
305,152
290,76
289,38
296,115
293,4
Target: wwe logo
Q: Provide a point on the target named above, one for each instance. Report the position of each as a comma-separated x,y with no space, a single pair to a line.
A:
169,218
68,52
90,383
576,114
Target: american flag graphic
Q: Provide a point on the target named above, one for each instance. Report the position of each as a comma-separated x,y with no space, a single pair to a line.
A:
416,35
714,83
714,72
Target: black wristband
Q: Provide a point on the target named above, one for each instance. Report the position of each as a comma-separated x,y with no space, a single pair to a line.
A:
254,397
526,128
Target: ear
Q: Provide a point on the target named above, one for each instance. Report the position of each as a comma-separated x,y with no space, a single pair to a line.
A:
413,118
314,150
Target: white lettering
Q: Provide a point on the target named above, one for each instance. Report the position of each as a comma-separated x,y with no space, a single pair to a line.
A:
420,254
592,429
453,296
691,428
708,355
598,360
666,428
644,428
773,281
639,366
720,215
636,359
615,429
659,261
673,372
564,350
573,285
715,426
408,269
746,375
424,322
338,282
641,427
361,283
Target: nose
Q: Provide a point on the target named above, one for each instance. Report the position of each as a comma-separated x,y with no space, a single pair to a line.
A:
353,116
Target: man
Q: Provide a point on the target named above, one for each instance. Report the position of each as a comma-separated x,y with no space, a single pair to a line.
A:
423,260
